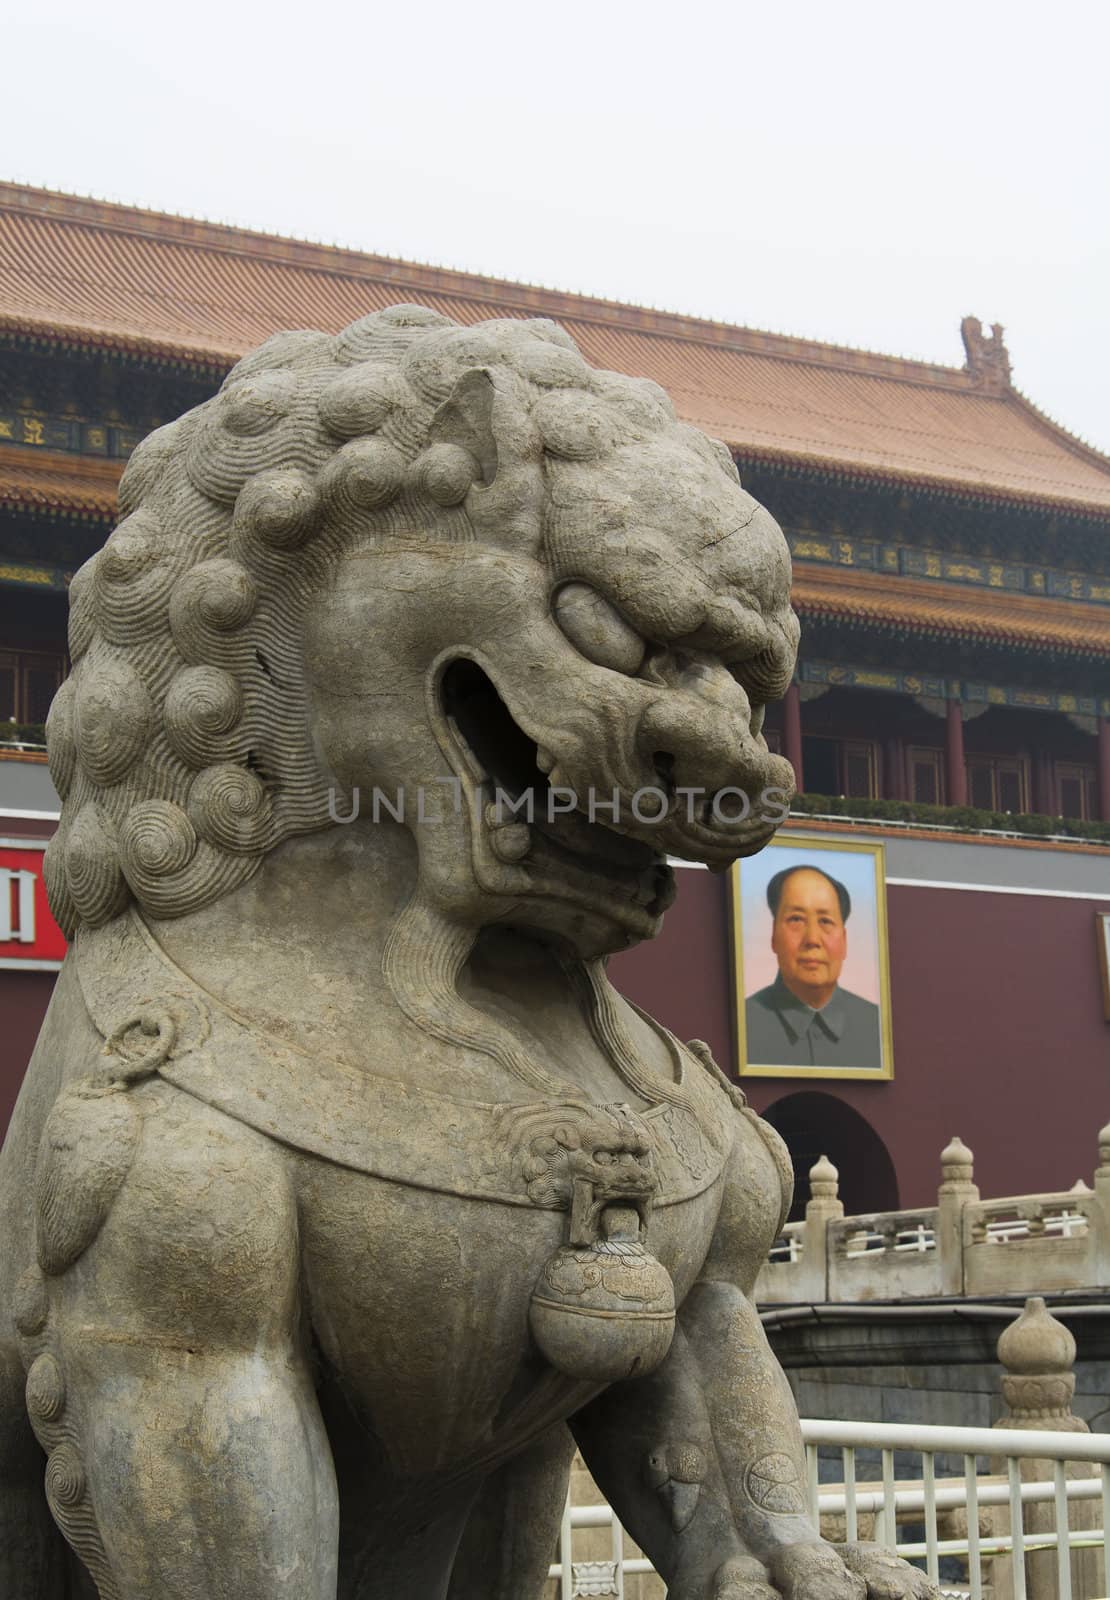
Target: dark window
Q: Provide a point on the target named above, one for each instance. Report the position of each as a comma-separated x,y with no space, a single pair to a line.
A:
40,685
820,766
858,764
1010,795
7,689
1076,790
841,766
980,785
29,680
998,783
926,776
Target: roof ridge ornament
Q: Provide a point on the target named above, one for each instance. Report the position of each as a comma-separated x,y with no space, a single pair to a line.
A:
988,360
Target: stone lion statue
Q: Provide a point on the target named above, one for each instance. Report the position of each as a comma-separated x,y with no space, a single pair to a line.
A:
345,1195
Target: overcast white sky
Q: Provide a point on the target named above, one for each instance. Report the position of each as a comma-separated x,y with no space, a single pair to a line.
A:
863,173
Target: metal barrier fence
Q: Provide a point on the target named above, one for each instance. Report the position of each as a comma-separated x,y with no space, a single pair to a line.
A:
1010,1497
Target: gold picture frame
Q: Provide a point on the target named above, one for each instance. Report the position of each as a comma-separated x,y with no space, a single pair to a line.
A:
851,1028
1102,935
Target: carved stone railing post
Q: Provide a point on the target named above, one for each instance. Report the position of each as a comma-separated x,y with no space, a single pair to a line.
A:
1101,1253
824,1206
1038,1353
956,1190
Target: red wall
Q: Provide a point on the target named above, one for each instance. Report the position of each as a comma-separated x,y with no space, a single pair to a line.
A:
999,1033
23,1000
24,995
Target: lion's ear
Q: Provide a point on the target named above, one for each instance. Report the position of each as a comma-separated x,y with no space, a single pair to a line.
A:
466,419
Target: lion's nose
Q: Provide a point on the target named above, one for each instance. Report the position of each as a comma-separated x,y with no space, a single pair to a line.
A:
695,737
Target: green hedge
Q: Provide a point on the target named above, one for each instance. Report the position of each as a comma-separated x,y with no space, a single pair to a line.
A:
961,819
22,733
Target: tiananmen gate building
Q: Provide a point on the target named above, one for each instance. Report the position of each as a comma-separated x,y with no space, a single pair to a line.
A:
950,711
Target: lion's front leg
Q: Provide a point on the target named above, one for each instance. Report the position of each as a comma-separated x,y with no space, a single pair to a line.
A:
649,1444
759,1445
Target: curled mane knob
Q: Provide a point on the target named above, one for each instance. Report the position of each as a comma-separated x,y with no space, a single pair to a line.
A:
156,839
365,474
92,868
255,423
65,1476
202,705
290,351
61,746
229,807
82,611
217,596
149,460
552,367
59,898
446,472
574,427
133,579
137,544
113,716
278,508
257,403
46,1390
30,1307
358,401
386,332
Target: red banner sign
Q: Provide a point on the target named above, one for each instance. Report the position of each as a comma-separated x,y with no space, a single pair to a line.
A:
29,936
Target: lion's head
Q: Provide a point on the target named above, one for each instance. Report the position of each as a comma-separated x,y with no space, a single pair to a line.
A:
411,553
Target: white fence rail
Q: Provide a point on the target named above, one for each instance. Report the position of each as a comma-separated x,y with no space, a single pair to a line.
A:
1028,1536
1018,1244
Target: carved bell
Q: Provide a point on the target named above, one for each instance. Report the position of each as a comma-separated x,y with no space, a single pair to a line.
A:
604,1310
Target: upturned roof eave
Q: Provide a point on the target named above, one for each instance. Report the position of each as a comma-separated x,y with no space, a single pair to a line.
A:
983,634
209,359
934,483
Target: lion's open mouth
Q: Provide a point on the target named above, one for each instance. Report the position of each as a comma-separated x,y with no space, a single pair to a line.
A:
527,823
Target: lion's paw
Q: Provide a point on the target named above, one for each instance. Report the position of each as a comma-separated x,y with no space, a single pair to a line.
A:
887,1577
815,1572
742,1578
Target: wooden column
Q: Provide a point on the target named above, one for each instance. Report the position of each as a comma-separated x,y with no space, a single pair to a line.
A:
894,769
792,733
1044,797
956,788
1104,768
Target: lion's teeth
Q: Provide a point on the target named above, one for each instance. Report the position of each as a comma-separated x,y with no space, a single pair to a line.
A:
512,842
544,759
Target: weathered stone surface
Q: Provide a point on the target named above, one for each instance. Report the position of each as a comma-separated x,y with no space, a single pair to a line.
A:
344,1188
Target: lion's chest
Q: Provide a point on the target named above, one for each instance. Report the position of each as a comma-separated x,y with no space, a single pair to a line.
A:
420,1306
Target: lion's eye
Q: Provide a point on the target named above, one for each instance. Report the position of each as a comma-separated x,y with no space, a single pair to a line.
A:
597,629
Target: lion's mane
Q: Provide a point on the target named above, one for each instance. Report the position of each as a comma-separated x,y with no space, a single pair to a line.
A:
180,742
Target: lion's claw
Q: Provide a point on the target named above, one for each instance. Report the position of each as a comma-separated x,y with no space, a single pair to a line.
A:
848,1572
815,1572
887,1576
742,1578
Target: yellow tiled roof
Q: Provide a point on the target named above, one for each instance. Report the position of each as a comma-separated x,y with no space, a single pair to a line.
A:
108,276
